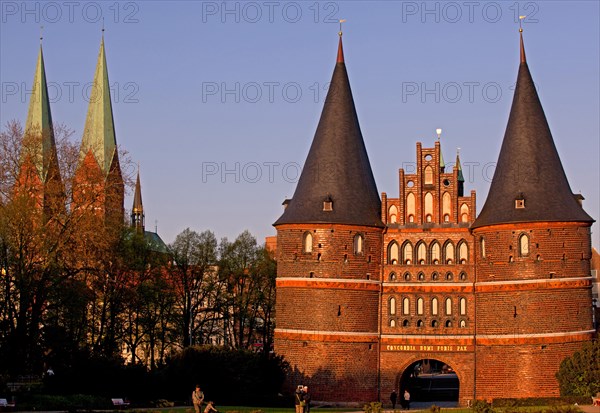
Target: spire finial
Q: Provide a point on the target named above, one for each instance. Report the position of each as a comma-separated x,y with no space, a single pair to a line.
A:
340,56
457,152
156,226
41,34
523,58
341,21
438,131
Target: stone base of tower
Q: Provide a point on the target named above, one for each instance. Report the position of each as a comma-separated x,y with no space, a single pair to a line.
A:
338,372
519,371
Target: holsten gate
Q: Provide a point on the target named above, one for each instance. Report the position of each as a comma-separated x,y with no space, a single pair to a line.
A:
376,293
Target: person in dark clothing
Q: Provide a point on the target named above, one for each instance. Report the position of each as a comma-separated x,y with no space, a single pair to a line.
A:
393,398
306,399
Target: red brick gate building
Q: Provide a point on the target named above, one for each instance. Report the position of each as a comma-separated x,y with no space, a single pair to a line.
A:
373,291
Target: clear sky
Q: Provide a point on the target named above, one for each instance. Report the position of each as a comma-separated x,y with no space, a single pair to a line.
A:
219,102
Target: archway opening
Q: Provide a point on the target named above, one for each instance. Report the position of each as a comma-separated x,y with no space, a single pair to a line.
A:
429,382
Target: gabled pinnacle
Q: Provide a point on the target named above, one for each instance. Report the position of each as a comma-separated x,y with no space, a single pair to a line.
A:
461,177
99,133
39,128
336,184
529,167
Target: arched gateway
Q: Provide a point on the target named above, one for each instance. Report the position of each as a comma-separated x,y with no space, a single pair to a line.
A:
429,380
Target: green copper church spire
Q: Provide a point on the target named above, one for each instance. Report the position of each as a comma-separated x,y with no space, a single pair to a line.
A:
38,127
99,133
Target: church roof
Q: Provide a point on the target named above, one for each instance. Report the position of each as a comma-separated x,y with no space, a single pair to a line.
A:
38,126
99,132
337,168
529,168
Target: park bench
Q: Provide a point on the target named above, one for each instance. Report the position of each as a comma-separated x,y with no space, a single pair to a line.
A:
120,403
4,405
596,400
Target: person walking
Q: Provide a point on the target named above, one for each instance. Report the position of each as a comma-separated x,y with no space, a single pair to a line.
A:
197,398
407,399
393,398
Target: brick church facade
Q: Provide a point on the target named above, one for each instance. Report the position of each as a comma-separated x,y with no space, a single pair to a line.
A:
372,291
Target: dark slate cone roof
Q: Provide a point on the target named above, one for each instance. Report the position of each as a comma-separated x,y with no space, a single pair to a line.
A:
529,167
337,166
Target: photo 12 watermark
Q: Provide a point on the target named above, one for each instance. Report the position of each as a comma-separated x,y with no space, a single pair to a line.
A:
71,92
456,92
252,12
47,12
265,92
469,11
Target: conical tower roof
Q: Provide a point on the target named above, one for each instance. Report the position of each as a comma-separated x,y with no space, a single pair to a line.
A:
461,177
337,168
99,132
529,167
137,196
38,127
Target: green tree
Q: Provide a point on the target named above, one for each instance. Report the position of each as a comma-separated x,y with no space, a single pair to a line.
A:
579,375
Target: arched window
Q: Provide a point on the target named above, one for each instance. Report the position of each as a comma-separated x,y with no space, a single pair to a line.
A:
482,243
420,323
463,306
393,213
421,253
410,207
428,175
449,276
407,276
524,245
393,253
392,276
420,306
435,253
464,213
407,253
446,206
405,306
428,207
449,253
358,244
434,323
307,242
405,323
448,323
421,277
392,323
463,253
462,324
435,276
392,306
434,306
448,306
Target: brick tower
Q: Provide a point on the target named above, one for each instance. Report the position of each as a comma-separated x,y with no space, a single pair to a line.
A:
99,184
533,252
39,175
428,310
328,259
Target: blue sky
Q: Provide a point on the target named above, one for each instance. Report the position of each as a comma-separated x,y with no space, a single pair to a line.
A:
219,102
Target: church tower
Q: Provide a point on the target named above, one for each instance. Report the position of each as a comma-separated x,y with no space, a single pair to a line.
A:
137,211
328,259
99,183
533,250
39,174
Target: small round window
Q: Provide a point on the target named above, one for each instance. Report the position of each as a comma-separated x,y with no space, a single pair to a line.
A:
446,182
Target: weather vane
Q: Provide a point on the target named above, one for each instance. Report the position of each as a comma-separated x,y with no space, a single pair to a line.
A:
520,23
41,34
341,21
103,26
